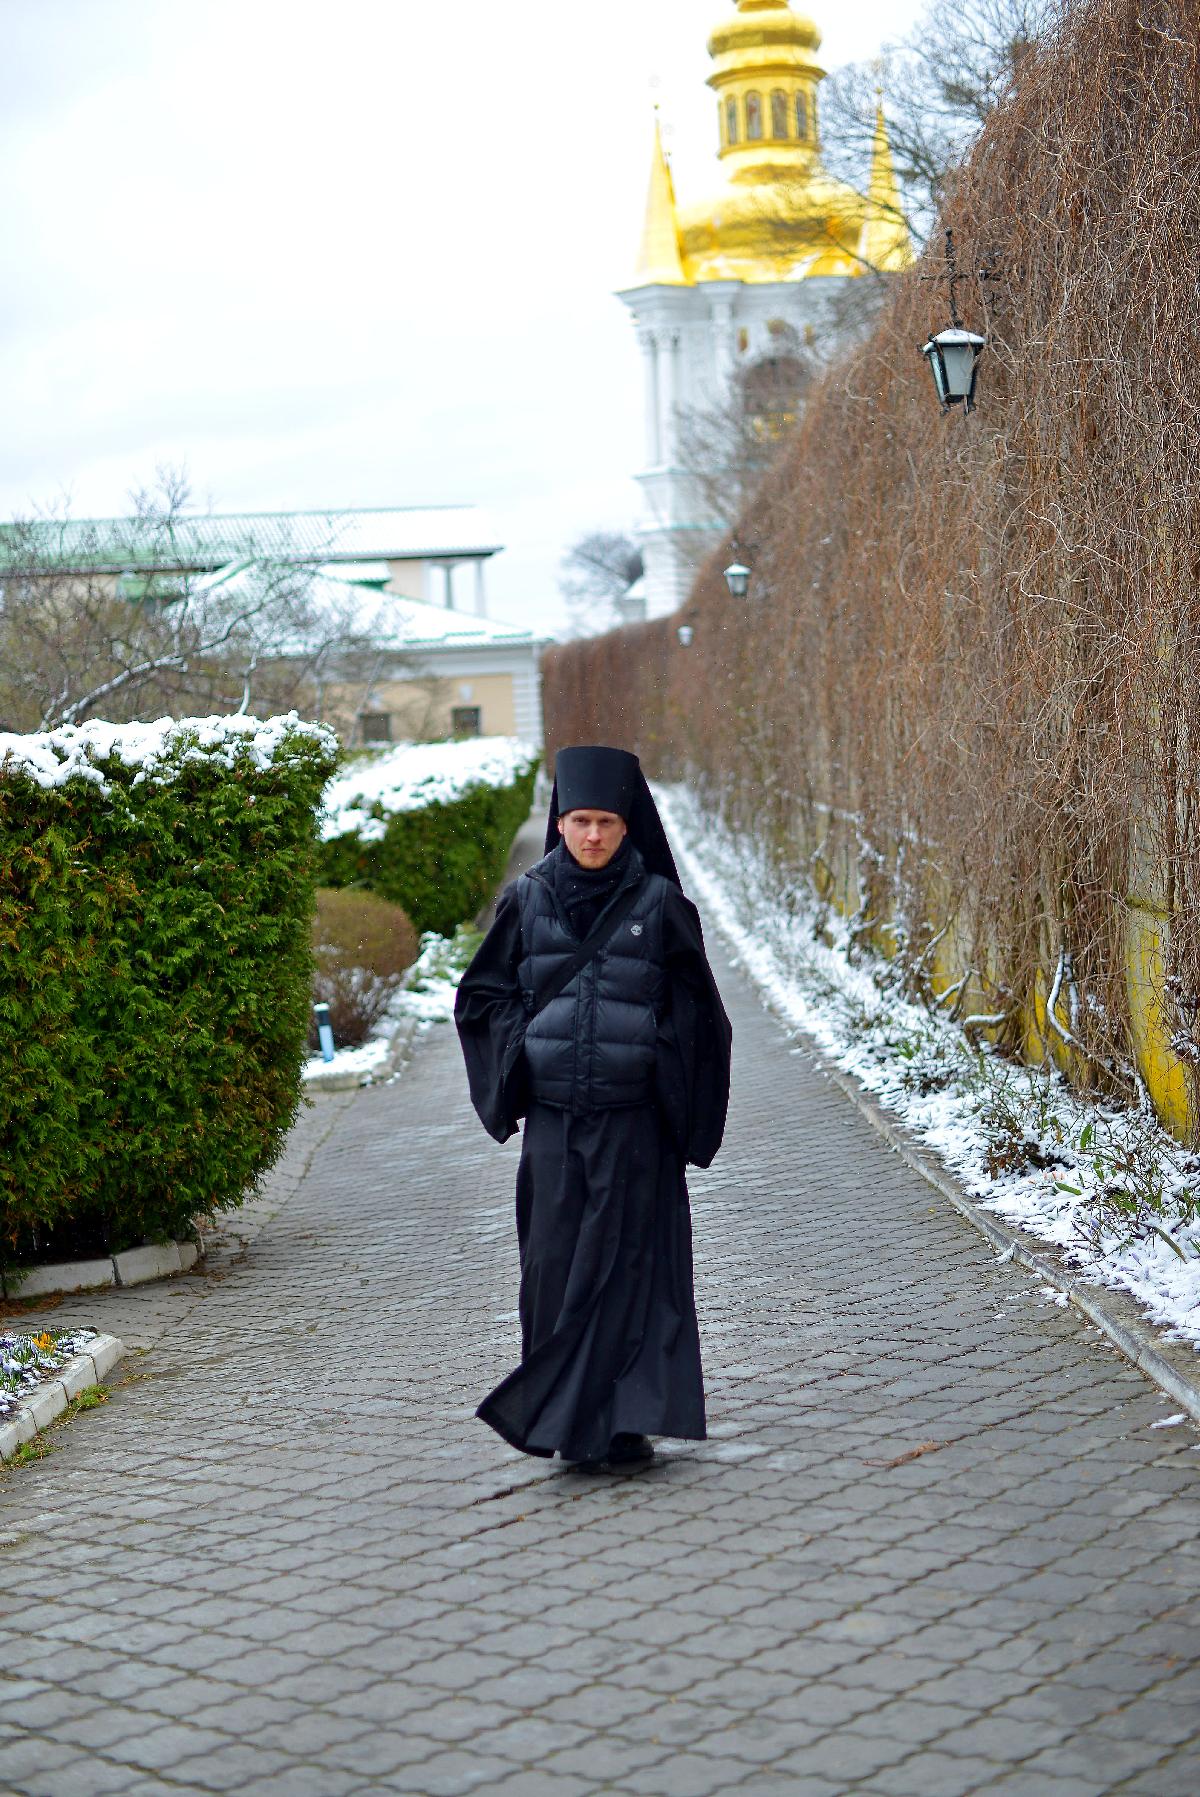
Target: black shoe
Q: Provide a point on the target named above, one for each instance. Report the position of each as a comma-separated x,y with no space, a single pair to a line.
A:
625,1450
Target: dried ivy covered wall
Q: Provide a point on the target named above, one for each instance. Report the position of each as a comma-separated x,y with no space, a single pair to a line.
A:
969,664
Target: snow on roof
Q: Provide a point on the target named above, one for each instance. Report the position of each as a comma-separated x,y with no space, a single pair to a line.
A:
385,533
364,574
389,619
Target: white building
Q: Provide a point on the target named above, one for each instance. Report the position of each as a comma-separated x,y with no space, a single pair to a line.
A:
412,580
430,670
737,281
437,553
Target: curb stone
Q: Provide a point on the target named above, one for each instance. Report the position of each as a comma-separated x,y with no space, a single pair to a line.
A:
136,1266
1173,1367
51,1399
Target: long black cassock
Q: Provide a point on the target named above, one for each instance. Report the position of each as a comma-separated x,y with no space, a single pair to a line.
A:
608,1316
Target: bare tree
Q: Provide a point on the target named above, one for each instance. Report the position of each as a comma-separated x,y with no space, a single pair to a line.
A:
937,87
595,574
79,639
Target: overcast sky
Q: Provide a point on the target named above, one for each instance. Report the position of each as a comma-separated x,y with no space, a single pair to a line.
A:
345,254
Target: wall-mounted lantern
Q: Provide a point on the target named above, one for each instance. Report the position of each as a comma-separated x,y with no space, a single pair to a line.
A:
686,633
953,355
737,577
953,358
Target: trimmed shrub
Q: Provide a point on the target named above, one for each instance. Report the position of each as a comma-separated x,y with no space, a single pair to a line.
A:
155,898
441,860
363,946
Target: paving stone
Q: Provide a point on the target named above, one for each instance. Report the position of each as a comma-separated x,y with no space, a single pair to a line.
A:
528,1783
285,1561
1174,1779
934,1774
305,1781
90,1777
612,1759
685,1775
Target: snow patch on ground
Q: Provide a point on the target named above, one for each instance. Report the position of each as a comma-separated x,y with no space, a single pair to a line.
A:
27,1361
426,997
413,775
923,1069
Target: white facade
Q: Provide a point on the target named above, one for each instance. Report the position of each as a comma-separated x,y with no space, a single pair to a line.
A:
696,341
745,278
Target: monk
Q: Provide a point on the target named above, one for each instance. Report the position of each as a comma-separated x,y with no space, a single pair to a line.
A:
590,1011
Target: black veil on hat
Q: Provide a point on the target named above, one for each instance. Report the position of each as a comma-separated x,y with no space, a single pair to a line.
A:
606,779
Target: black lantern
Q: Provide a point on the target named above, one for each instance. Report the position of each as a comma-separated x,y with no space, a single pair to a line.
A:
953,356
737,578
686,633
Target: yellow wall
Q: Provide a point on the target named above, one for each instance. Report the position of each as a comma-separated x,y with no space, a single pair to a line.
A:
493,693
421,707
1166,1077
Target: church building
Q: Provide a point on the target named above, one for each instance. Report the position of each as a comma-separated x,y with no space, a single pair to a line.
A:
726,286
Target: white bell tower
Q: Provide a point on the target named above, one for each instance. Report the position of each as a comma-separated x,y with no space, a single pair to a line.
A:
724,285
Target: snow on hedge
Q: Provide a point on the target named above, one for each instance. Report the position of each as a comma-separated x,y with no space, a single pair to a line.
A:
410,776
159,751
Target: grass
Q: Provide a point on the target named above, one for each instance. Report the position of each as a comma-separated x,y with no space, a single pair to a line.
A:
29,1451
90,1398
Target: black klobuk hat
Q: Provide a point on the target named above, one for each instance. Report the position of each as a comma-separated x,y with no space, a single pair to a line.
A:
600,779
603,779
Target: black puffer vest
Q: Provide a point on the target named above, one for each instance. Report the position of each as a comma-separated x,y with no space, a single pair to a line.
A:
593,1047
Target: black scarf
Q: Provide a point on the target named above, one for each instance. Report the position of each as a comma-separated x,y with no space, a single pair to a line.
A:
583,892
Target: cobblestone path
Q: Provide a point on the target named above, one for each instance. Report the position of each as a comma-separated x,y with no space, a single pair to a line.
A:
286,1559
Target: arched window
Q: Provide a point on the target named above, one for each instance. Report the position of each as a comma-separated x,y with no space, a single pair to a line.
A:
801,117
779,114
753,118
772,391
731,121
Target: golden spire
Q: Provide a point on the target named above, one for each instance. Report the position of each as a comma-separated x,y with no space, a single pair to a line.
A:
885,244
659,263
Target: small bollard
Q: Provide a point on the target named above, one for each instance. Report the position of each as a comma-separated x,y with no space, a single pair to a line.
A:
324,1032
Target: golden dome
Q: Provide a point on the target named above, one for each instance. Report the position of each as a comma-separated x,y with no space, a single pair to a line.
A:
768,30
777,215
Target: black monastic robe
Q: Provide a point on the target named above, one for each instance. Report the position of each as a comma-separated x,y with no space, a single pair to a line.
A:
608,1315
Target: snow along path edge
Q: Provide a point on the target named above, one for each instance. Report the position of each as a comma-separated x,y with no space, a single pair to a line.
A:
51,1399
1174,1368
1171,1368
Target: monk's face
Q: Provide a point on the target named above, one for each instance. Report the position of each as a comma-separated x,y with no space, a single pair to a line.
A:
593,837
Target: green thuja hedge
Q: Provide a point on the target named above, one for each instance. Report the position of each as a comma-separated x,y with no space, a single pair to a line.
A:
155,900
442,862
